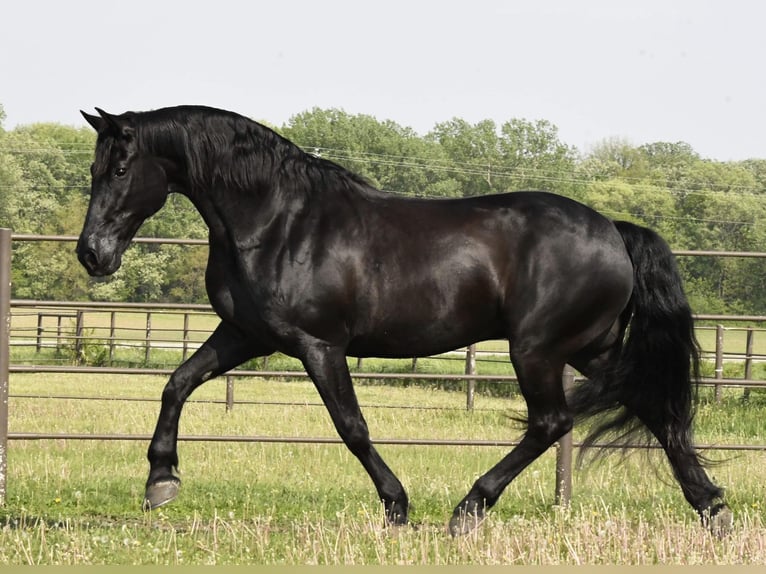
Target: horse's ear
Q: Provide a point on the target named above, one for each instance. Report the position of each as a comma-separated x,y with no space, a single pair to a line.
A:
95,122
110,120
118,126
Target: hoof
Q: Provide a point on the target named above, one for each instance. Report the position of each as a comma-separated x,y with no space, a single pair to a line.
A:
396,520
396,513
720,521
160,493
463,522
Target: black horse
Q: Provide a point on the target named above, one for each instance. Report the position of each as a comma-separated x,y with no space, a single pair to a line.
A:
308,259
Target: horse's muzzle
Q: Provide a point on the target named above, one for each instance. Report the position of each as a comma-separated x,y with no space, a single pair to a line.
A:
96,263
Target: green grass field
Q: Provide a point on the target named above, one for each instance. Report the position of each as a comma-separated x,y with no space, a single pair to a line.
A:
77,502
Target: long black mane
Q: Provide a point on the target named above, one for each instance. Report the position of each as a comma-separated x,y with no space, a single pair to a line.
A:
222,149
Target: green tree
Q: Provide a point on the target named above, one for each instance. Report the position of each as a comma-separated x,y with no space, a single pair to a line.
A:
474,152
75,145
695,204
11,177
53,166
721,177
612,159
391,157
185,275
42,181
33,200
519,155
534,154
641,203
141,278
757,167
669,163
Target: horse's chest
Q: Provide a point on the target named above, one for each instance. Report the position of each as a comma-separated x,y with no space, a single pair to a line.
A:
231,297
240,299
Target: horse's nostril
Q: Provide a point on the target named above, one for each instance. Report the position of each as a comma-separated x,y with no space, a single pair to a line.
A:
89,259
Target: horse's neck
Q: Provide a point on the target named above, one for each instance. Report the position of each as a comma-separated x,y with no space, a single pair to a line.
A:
244,211
243,217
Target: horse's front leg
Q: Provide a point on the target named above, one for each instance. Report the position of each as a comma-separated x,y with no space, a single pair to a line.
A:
226,348
328,369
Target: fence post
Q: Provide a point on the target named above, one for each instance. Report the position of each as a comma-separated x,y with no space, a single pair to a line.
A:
748,361
186,336
718,359
78,327
148,337
229,393
564,453
39,343
470,369
5,336
112,334
59,320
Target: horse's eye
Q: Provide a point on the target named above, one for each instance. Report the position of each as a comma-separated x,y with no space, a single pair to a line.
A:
120,171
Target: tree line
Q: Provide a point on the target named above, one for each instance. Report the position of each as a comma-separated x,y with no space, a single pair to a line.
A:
694,202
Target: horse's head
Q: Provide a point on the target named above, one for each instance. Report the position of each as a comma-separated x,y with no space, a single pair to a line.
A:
128,186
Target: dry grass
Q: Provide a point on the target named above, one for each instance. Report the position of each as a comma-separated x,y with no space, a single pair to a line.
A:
573,537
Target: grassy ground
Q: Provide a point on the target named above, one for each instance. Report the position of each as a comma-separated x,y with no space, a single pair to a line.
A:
77,502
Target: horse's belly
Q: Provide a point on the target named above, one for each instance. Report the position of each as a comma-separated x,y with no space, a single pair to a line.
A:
419,335
406,347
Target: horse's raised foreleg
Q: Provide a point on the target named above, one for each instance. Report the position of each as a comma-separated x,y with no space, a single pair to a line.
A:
328,369
548,419
225,349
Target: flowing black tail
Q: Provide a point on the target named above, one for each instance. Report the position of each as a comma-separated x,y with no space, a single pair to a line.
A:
652,380
652,384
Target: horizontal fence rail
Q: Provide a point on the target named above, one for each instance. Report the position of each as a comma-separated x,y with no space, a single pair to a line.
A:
175,241
335,440
709,381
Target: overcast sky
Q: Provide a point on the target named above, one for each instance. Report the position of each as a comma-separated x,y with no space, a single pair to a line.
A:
654,70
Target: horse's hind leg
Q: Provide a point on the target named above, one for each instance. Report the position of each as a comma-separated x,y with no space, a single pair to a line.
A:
704,496
548,419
